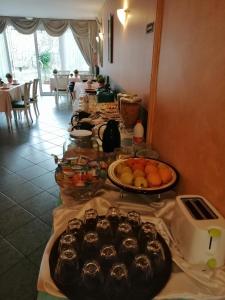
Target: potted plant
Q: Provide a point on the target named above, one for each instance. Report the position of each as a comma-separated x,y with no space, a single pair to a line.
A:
45,59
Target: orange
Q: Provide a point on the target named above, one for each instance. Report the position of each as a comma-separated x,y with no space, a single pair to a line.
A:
165,174
137,166
149,168
154,179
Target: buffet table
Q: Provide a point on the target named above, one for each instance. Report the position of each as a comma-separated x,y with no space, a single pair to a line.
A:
186,281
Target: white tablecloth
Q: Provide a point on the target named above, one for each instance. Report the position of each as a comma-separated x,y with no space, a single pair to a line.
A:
8,95
186,281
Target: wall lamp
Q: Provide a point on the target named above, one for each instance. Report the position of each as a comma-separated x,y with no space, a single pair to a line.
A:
122,15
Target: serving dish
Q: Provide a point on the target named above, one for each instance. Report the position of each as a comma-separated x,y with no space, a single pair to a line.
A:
145,185
77,291
81,176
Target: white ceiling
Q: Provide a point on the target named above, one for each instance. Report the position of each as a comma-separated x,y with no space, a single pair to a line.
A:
62,9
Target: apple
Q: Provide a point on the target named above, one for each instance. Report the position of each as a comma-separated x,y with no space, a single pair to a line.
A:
140,181
127,178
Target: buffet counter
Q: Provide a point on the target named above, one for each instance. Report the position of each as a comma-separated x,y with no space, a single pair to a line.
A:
186,281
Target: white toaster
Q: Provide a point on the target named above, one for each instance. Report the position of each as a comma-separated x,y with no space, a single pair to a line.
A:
199,231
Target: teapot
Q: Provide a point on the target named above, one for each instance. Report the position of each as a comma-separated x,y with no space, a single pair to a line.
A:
111,136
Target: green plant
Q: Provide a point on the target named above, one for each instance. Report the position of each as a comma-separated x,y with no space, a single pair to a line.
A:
100,79
45,59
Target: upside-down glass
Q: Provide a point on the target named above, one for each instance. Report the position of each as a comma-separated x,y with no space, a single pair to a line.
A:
90,246
141,271
103,228
114,216
108,256
133,217
67,268
90,219
75,226
117,282
155,252
147,232
128,250
67,241
91,276
124,231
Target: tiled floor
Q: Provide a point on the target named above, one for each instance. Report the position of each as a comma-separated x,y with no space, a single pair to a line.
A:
28,194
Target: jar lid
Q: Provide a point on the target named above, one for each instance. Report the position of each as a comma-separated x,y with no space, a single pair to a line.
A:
80,133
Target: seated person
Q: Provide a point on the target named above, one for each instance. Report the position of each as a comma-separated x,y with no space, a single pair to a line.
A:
72,82
9,78
101,82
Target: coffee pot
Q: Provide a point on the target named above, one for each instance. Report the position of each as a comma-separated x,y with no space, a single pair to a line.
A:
111,136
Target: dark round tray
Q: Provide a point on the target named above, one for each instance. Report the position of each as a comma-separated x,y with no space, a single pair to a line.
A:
149,190
156,284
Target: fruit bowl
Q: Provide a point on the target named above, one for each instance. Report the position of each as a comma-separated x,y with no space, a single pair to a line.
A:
81,176
142,175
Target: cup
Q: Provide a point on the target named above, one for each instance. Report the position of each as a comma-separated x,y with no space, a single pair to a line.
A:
117,282
103,228
141,271
68,241
133,217
155,252
147,233
67,268
91,276
114,216
108,256
128,250
124,231
90,246
75,227
90,219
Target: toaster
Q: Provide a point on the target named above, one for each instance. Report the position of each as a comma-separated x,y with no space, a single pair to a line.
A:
199,230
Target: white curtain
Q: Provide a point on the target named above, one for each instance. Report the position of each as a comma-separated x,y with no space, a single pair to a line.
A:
84,32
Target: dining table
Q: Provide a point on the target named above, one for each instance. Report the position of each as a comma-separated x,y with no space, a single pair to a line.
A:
8,94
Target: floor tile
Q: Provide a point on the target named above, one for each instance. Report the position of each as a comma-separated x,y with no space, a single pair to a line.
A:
32,172
49,164
54,191
19,282
47,217
26,190
58,141
45,181
32,235
40,203
19,164
55,150
37,157
9,256
5,203
44,146
4,171
48,136
13,218
10,181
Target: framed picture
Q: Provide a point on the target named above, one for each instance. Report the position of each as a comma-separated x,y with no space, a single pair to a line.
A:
110,38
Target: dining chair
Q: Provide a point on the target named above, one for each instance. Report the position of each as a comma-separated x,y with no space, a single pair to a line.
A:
62,83
23,104
34,98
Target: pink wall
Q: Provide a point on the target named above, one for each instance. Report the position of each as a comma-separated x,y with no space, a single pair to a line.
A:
190,116
131,65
